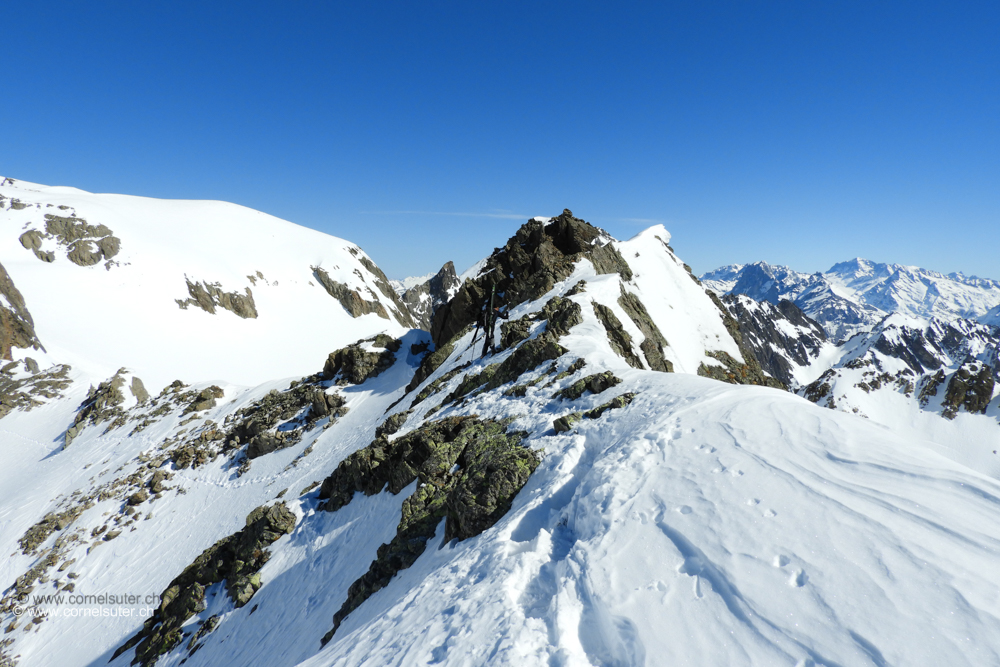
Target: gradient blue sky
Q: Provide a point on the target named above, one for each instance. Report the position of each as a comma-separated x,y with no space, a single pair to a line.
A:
801,133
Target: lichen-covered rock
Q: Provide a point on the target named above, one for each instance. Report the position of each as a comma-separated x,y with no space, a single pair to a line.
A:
618,338
530,264
469,471
354,364
595,383
392,424
208,296
295,410
566,422
235,559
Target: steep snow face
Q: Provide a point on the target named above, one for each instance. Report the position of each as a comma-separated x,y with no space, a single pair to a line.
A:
853,296
688,319
103,275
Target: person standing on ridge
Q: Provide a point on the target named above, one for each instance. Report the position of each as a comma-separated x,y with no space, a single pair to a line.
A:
493,309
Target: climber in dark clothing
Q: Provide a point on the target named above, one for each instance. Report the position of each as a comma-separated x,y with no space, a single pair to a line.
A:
493,309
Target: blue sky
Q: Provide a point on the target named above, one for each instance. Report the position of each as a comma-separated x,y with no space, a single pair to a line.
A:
800,133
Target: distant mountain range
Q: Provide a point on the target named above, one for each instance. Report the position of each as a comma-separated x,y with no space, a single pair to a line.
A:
854,296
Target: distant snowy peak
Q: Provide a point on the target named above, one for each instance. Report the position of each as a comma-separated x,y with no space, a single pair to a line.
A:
424,297
853,296
408,283
722,280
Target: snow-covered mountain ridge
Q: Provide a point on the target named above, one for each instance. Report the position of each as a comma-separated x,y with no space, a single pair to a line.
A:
852,296
623,482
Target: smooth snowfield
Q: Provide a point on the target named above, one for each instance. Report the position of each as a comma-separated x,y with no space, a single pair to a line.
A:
99,320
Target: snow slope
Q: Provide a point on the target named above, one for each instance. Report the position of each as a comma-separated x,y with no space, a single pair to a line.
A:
99,319
702,524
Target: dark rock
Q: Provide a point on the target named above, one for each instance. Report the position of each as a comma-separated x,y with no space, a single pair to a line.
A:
353,364
732,371
31,365
971,387
17,329
537,257
566,422
208,296
593,383
350,299
653,342
84,253
764,330
138,498
236,559
424,299
620,340
469,471
400,310
392,424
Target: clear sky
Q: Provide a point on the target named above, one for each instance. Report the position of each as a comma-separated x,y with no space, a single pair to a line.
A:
800,133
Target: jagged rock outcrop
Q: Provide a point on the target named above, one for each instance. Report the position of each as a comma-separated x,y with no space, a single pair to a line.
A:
103,403
781,337
468,471
533,260
208,296
595,384
567,422
732,371
654,342
971,387
236,559
399,309
620,340
424,299
31,391
17,329
85,244
354,364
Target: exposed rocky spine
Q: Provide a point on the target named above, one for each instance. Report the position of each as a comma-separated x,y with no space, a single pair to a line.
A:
468,471
654,342
530,264
732,371
424,299
767,329
236,559
399,310
350,299
618,338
